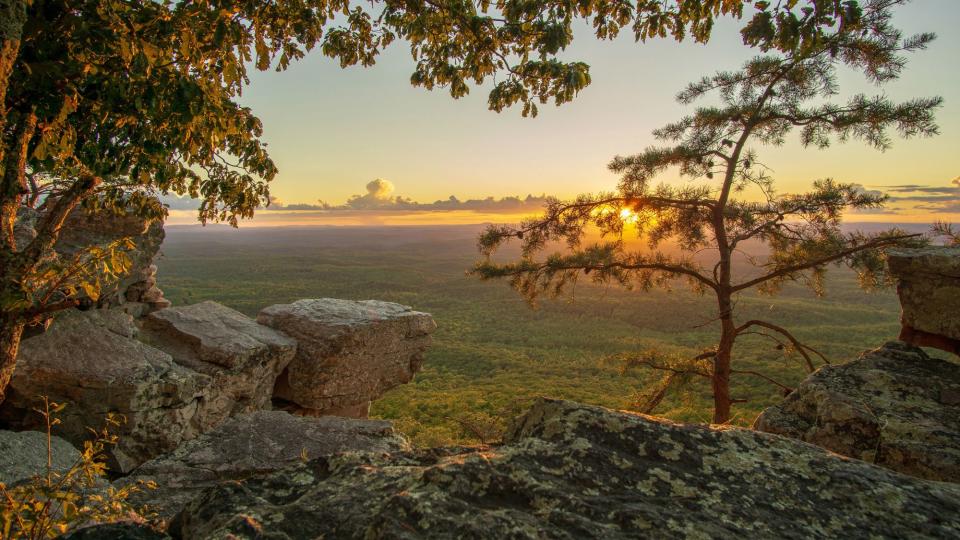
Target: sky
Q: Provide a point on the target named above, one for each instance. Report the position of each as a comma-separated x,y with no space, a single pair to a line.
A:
333,132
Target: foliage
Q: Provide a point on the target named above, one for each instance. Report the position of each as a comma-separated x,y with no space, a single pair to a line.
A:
56,502
947,231
729,199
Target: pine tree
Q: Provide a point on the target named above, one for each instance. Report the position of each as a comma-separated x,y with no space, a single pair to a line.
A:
712,208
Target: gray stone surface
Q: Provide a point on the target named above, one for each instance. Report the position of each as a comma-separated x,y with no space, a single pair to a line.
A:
84,228
348,352
894,406
254,444
928,283
115,531
242,358
574,471
90,361
23,455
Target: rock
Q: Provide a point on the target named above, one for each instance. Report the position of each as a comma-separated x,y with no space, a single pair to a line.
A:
90,361
574,471
23,455
115,531
349,353
84,228
242,358
253,444
894,406
928,283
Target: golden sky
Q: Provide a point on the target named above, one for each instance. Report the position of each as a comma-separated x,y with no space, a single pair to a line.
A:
333,131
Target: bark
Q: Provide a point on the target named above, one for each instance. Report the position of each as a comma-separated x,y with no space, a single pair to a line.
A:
11,331
722,364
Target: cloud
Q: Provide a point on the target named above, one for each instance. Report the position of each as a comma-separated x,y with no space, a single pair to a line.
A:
943,199
380,197
175,202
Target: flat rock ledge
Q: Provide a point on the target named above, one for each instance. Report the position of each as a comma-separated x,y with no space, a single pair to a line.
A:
253,444
568,470
895,406
348,353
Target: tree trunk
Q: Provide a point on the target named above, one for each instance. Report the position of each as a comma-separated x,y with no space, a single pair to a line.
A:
721,371
10,332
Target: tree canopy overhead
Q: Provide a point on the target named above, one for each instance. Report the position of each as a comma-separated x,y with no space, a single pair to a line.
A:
713,211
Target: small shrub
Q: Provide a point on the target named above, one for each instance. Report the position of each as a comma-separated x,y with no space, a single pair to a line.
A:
56,502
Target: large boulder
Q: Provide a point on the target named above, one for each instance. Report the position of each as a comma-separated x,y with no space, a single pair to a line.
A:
91,361
928,283
348,353
23,455
253,444
85,228
115,531
575,471
894,406
242,358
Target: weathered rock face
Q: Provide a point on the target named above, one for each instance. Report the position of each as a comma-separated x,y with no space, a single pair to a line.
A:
348,353
574,471
23,455
929,289
115,531
242,358
895,407
91,361
254,444
84,228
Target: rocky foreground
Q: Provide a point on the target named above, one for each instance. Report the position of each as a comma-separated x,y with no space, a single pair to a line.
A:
568,470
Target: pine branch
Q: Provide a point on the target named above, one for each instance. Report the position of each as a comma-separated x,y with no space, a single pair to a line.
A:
807,265
797,345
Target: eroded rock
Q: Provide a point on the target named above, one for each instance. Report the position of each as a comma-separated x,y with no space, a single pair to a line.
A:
91,361
928,283
85,228
254,444
574,471
242,358
348,353
894,406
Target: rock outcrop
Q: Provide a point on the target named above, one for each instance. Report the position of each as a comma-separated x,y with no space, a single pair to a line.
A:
23,455
139,287
182,371
242,358
574,471
928,283
250,445
895,406
348,353
91,361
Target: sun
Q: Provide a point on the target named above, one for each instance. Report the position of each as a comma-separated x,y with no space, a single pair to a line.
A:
629,216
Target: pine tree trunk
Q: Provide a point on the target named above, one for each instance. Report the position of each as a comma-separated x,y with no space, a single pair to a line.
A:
721,372
10,332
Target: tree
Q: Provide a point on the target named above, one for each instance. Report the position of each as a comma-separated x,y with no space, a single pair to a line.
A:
728,198
109,102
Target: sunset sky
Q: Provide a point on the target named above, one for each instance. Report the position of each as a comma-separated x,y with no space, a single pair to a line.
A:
333,131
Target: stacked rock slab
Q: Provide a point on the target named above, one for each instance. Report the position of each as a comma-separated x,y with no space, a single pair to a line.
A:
253,444
348,353
568,470
894,406
928,283
242,358
185,372
92,362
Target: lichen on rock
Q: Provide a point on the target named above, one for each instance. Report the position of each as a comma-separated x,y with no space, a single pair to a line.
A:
568,470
